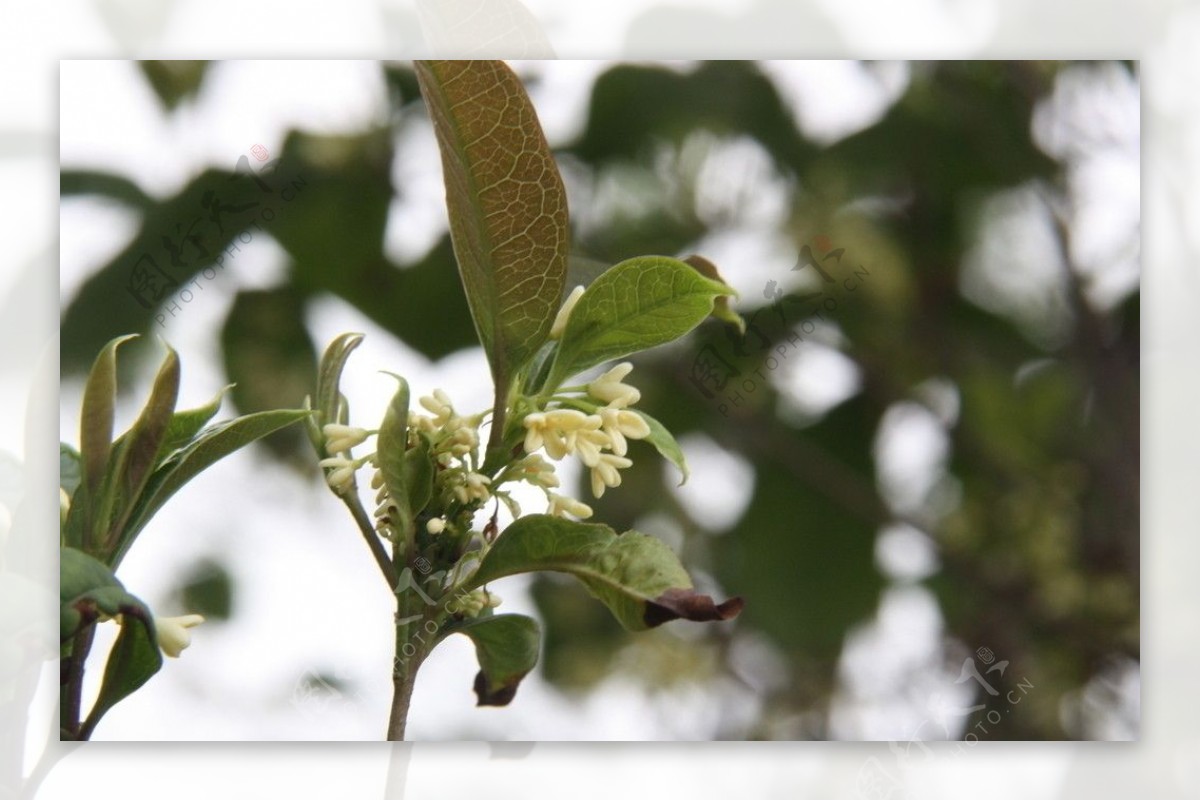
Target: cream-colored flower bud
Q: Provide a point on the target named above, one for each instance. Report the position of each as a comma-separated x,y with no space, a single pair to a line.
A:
588,444
340,438
621,423
341,478
571,420
605,474
611,390
173,634
64,507
435,525
560,320
438,404
561,505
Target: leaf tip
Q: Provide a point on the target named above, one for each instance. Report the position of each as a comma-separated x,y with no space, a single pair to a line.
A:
501,696
688,604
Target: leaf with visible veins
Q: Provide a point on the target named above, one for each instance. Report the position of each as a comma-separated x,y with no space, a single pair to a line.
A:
635,575
638,304
507,208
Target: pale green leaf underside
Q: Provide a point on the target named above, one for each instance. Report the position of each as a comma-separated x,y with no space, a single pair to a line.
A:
390,447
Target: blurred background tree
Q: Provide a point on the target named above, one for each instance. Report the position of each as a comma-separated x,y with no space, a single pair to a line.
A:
919,465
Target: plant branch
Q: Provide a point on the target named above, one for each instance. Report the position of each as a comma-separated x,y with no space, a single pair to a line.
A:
373,542
72,693
404,665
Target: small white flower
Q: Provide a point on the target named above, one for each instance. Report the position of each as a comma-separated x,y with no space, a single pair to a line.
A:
609,388
605,474
64,507
560,320
474,487
173,635
342,476
560,505
340,438
535,427
570,420
588,444
536,470
465,439
621,423
435,525
420,422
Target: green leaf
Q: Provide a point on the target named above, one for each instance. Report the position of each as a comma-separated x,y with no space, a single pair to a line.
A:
721,309
507,648
270,357
96,419
636,576
329,375
507,208
212,445
185,425
391,446
70,468
133,660
638,304
418,475
88,588
140,447
664,442
174,81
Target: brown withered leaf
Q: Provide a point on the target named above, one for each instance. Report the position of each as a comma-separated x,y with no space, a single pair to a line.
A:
689,605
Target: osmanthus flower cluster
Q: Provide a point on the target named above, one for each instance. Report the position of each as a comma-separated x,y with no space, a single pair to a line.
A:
439,475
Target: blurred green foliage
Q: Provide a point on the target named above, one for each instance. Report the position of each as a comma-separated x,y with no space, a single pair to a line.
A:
1039,549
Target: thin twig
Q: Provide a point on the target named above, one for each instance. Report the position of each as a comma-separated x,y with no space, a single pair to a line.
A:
73,702
373,543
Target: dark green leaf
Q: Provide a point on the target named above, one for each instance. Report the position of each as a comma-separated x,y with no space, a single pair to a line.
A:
86,182
507,207
208,590
638,304
636,576
269,357
174,81
87,588
134,659
507,649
